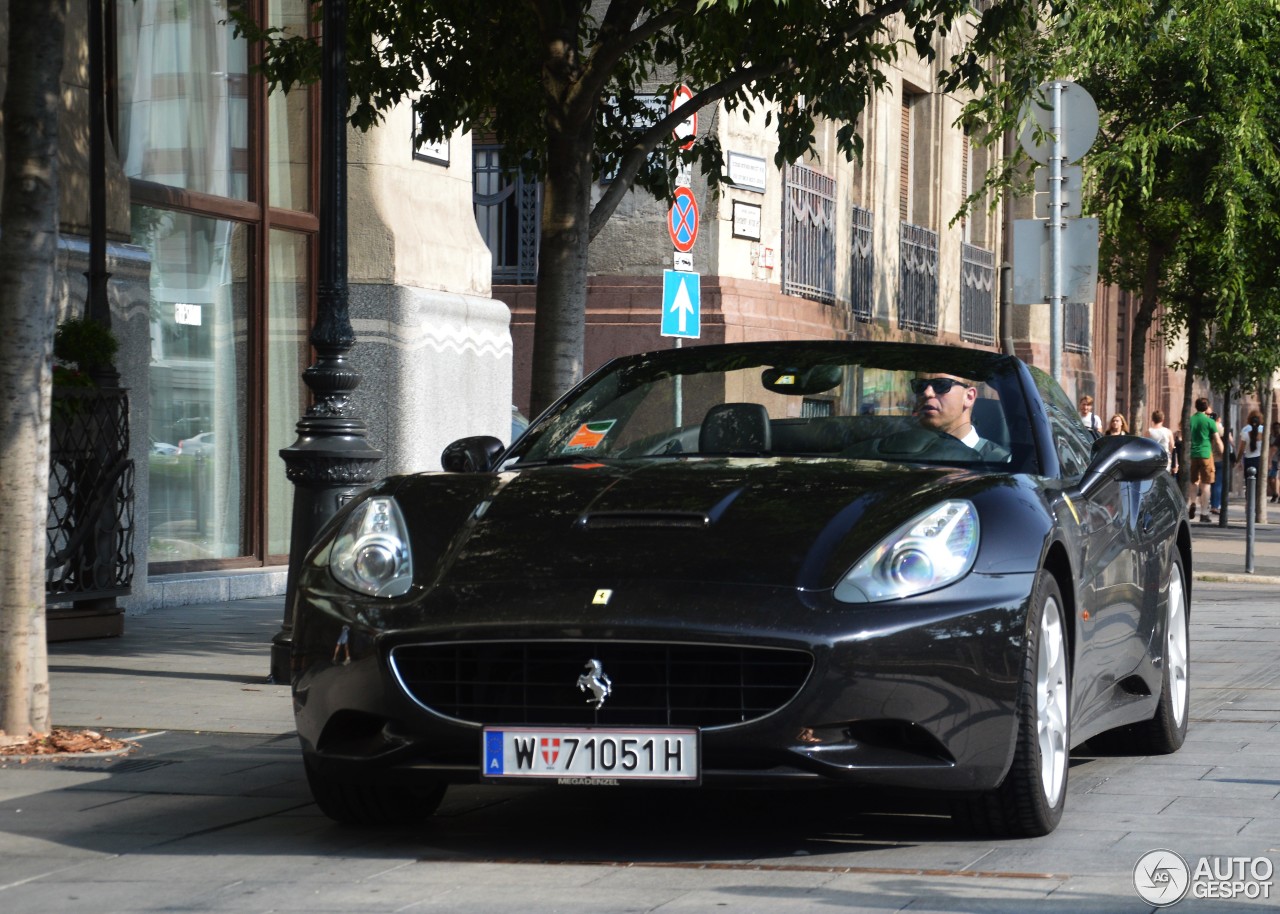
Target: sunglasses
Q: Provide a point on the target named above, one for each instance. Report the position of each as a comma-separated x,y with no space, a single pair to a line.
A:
941,386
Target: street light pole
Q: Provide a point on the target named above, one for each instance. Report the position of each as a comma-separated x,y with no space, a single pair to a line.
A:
331,460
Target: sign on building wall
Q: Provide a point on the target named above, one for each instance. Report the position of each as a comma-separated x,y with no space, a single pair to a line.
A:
746,220
747,172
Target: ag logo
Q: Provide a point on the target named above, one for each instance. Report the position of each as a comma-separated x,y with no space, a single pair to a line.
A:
1161,878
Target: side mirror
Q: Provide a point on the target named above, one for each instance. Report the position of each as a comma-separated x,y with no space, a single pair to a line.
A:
477,454
1125,457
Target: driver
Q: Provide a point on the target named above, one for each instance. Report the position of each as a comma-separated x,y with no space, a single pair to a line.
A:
944,404
943,407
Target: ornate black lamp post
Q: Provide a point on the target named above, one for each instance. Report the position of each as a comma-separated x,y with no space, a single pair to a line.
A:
331,460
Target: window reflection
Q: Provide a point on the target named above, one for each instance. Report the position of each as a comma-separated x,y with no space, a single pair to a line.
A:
287,348
199,359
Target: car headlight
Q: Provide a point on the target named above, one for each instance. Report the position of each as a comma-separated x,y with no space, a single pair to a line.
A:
371,553
929,551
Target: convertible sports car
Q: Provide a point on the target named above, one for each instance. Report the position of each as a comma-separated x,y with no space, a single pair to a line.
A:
755,564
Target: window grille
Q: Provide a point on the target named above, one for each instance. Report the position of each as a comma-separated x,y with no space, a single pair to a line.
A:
977,294
809,238
815,408
863,265
1075,330
918,279
508,212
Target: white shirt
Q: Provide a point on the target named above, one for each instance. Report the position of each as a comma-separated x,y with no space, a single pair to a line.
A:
1256,450
1163,437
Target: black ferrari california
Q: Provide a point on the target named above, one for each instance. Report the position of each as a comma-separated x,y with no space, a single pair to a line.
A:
757,564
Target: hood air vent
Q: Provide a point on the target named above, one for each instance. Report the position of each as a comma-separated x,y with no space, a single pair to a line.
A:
612,520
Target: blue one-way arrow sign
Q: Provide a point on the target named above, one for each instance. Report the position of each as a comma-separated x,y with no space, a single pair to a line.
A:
681,304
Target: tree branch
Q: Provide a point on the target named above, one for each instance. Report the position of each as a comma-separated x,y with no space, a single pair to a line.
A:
649,140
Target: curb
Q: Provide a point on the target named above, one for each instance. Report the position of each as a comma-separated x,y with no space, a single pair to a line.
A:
1227,577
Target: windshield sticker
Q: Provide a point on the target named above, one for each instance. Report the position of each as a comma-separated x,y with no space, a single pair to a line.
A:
589,435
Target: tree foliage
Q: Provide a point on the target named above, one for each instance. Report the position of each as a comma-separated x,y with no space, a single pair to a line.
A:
569,88
1185,173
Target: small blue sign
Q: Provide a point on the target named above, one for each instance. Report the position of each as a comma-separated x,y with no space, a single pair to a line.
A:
681,304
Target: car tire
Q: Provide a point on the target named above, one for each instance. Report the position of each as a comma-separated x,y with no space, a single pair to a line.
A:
369,803
1166,731
1030,799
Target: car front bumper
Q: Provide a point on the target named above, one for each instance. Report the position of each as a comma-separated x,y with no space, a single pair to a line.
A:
916,693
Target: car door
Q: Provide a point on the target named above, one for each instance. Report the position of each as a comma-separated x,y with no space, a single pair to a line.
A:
1109,596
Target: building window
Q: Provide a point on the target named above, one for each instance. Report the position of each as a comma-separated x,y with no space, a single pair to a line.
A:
862,272
918,279
977,294
508,211
905,153
222,178
1075,330
809,236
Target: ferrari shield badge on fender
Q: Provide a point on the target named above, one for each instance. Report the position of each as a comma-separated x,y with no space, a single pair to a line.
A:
602,597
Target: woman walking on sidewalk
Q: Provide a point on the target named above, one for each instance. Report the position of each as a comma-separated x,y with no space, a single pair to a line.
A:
1250,445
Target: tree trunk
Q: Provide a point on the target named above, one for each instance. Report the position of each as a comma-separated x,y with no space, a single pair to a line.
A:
1188,393
559,334
1141,329
28,250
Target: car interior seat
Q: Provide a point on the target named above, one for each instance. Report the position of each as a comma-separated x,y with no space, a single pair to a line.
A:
989,422
730,428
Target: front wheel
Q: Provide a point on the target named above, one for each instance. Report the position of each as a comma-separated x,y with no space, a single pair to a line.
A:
352,801
1029,801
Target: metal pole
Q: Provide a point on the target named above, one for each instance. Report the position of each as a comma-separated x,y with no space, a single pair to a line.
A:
331,460
1056,228
1251,504
97,307
1224,484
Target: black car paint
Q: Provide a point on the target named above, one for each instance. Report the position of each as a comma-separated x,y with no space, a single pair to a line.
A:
1031,524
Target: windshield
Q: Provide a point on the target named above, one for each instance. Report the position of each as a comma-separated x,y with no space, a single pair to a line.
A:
903,404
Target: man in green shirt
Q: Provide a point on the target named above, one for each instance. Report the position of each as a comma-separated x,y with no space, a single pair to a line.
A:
1200,439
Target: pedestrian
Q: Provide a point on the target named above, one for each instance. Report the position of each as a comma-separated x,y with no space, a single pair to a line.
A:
1202,432
1118,425
1162,436
1176,457
1091,422
1273,464
1221,453
1249,446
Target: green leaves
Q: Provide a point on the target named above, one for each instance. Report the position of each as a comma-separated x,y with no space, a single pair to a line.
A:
532,69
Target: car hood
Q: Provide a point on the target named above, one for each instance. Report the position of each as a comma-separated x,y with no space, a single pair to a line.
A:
778,522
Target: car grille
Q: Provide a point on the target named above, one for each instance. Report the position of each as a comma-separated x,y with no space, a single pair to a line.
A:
691,685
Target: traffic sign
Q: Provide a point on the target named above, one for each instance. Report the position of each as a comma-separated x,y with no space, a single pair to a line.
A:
1079,122
681,304
687,129
682,221
1070,190
1032,277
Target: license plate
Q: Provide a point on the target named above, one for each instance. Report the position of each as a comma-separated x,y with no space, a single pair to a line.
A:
591,755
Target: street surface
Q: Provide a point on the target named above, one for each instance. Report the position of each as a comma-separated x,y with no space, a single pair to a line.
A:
211,812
